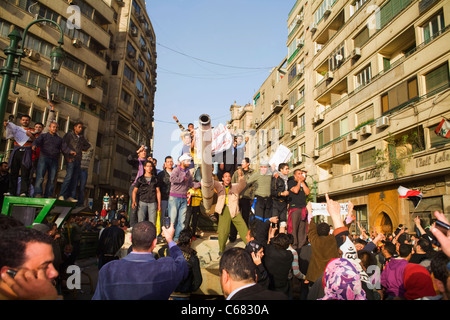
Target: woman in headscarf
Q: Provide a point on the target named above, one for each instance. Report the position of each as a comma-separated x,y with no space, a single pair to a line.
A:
342,281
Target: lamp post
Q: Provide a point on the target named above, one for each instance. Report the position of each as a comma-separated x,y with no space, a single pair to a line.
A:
9,71
313,180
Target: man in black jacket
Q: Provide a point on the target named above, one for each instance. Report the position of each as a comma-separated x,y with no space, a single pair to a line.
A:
109,244
238,278
77,142
280,195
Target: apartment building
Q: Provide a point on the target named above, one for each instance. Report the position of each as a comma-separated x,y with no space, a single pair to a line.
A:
367,84
96,84
270,116
132,85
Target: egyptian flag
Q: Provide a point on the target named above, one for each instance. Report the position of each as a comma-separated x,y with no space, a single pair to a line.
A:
413,195
443,129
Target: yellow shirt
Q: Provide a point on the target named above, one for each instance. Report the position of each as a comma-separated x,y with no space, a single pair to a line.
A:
196,196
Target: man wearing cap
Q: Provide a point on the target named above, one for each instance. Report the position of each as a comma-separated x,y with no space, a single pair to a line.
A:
180,182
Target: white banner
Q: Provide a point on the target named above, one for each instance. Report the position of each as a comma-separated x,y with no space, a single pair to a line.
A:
282,155
320,209
221,139
18,133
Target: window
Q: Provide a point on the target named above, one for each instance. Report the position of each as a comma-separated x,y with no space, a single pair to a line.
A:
125,96
404,92
363,77
139,86
358,4
340,127
281,125
123,125
4,28
292,73
74,33
292,48
433,27
142,41
301,123
131,49
302,150
324,136
436,140
361,38
367,158
361,217
336,58
136,7
128,73
320,12
437,78
413,90
364,115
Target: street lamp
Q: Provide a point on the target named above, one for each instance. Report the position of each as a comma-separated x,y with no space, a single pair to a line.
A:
56,59
12,52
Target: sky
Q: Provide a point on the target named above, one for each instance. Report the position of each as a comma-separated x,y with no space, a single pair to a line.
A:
210,54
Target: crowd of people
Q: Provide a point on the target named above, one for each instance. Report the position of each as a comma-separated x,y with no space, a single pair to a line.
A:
288,253
35,158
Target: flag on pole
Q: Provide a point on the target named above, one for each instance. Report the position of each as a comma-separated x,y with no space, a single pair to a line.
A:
414,195
443,129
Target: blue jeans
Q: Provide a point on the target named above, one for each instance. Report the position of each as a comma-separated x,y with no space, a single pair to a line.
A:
69,184
177,213
45,165
147,211
82,179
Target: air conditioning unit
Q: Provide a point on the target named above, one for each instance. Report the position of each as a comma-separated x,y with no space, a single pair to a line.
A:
291,107
366,130
316,153
300,43
34,55
327,11
299,18
299,159
356,53
318,119
41,93
329,76
90,83
352,137
383,122
300,71
121,3
294,132
77,43
276,106
313,28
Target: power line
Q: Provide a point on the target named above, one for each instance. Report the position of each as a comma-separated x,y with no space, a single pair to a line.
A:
214,63
216,76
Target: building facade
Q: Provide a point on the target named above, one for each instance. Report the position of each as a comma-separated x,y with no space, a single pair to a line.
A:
367,84
89,85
